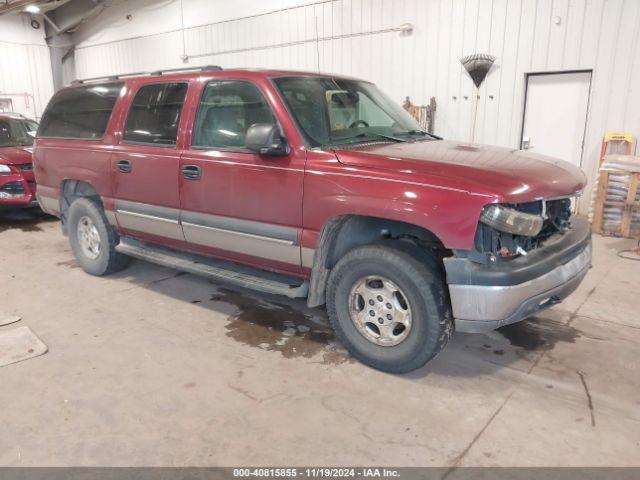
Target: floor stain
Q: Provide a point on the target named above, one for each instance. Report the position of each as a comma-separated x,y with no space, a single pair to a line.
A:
279,327
25,221
588,394
24,226
538,333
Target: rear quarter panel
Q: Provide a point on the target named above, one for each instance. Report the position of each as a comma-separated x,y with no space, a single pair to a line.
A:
58,159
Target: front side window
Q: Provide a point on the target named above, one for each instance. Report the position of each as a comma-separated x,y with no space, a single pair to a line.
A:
80,112
154,115
17,132
227,109
333,111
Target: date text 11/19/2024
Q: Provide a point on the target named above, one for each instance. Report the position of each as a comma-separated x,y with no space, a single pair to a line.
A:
369,472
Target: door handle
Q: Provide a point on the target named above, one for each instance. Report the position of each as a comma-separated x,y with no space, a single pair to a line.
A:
123,166
191,172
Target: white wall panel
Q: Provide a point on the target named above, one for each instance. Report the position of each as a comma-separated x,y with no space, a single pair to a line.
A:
355,37
25,66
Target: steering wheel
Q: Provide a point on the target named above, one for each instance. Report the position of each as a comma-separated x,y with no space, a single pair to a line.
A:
357,123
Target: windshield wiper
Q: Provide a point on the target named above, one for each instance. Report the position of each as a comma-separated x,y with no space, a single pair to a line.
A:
389,137
364,137
422,133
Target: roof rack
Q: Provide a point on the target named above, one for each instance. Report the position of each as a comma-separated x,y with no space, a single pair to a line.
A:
206,68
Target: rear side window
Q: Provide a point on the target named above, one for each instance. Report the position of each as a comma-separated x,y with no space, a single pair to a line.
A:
80,112
155,114
227,109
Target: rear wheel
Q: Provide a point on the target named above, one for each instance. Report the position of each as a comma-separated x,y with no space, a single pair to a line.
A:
92,239
388,304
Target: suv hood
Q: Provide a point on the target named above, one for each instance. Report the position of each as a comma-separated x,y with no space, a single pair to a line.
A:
511,175
15,155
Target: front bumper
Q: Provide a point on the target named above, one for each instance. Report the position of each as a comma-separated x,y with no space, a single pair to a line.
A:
485,297
17,191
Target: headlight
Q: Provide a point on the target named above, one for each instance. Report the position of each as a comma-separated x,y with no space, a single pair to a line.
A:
507,219
4,169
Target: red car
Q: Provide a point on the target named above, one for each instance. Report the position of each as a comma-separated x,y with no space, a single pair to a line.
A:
17,183
313,186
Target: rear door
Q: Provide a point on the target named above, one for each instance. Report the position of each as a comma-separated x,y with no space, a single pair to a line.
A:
145,162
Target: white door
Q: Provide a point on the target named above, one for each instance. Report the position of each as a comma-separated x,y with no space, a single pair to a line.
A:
555,114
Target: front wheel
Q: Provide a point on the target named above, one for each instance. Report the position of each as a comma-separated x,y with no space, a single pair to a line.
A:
389,305
92,239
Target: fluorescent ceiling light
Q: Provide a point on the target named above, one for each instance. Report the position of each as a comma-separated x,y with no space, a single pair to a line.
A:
32,9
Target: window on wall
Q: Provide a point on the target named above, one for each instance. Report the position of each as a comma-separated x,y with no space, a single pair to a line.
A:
6,105
80,112
227,109
154,115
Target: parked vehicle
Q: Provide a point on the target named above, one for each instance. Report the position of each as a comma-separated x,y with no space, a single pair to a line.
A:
17,183
313,186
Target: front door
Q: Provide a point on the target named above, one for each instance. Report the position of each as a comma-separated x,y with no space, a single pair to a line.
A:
145,164
556,114
237,204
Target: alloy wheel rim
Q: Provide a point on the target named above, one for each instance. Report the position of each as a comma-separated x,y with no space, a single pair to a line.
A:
380,311
88,238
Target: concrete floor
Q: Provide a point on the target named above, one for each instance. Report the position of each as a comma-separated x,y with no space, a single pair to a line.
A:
150,367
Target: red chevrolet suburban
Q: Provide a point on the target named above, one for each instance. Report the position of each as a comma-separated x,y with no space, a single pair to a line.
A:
17,183
315,186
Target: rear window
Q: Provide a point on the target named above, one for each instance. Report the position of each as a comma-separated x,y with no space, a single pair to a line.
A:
80,112
154,116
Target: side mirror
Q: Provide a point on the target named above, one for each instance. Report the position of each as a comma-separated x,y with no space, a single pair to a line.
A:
265,139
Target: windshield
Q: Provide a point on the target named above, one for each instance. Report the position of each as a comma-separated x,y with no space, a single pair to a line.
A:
17,132
333,112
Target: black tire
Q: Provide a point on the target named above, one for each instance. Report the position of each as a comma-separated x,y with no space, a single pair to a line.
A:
108,260
420,277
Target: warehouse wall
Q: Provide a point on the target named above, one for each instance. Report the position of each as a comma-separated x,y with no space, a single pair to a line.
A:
25,67
360,38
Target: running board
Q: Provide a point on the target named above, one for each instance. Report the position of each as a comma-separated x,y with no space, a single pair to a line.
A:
218,270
